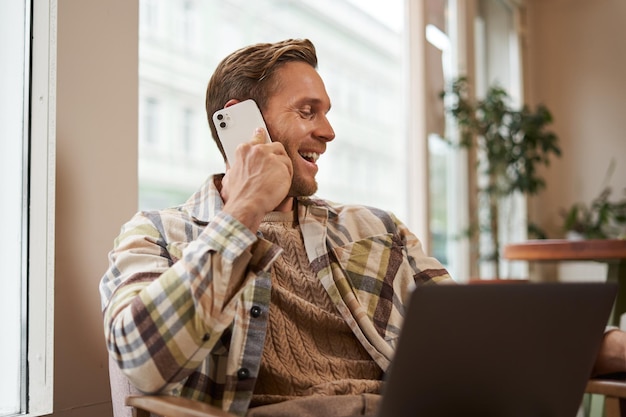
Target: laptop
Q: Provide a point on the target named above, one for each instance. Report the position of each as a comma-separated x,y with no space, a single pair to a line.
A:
501,350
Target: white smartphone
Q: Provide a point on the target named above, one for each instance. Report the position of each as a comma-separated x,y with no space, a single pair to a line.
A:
236,124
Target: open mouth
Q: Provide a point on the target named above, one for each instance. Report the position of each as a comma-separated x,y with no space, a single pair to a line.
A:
310,156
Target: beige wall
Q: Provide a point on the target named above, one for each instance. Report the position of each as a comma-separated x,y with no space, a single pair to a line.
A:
577,67
96,186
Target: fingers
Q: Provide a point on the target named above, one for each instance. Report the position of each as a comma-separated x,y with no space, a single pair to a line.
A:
260,136
258,179
287,161
259,156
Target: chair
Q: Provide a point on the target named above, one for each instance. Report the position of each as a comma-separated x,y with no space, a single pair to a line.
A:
614,392
127,401
170,406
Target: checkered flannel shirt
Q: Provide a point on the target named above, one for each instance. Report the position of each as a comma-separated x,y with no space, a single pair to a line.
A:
187,293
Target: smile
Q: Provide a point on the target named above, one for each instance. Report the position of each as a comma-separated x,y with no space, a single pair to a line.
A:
310,156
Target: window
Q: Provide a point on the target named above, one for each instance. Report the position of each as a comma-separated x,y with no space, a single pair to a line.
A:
483,33
498,61
187,28
149,16
448,195
362,49
360,52
187,132
149,126
26,219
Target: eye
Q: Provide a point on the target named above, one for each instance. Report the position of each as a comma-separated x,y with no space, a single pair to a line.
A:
306,112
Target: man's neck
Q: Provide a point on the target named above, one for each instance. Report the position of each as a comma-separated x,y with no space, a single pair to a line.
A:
286,205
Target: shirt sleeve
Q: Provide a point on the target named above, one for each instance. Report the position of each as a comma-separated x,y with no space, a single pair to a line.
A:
162,316
428,270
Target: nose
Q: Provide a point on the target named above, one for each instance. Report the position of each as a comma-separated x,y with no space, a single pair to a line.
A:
324,130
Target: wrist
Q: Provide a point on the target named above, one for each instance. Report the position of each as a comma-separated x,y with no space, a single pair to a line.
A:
247,214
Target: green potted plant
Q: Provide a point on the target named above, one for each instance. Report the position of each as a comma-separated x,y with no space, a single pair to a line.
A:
600,219
510,144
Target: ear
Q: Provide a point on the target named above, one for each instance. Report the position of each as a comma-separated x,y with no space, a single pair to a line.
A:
231,102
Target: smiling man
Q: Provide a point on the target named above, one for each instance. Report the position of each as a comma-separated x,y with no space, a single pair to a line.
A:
255,296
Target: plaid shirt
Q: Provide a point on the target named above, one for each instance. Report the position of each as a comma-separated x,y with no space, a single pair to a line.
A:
187,294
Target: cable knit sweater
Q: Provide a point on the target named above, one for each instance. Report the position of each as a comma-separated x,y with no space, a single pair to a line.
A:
309,349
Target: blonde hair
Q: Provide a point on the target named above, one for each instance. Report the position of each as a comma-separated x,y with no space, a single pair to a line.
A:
249,73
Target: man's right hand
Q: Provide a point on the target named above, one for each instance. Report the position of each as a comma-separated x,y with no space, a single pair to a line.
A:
257,181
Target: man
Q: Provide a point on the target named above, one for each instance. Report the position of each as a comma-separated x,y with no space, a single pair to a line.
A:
253,295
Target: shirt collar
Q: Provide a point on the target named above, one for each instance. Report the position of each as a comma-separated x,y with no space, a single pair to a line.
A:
205,203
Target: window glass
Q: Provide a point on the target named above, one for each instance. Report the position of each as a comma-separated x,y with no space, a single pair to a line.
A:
360,51
14,27
448,202
496,56
498,63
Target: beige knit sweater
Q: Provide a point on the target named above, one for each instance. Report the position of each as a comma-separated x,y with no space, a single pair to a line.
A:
309,349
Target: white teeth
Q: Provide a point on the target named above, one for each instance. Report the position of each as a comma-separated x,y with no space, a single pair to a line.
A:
310,155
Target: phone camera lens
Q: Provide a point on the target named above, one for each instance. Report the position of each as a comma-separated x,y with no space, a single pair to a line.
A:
223,125
220,116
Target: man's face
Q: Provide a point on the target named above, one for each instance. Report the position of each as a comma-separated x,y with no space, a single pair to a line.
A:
296,117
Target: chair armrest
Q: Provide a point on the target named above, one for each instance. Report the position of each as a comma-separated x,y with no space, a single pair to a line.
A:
607,386
614,391
172,406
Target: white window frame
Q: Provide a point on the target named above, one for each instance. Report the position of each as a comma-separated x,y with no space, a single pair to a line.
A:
417,143
42,215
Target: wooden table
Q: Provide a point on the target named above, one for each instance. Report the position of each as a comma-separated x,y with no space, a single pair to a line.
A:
610,251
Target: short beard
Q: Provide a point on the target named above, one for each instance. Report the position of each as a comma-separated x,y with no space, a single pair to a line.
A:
300,188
